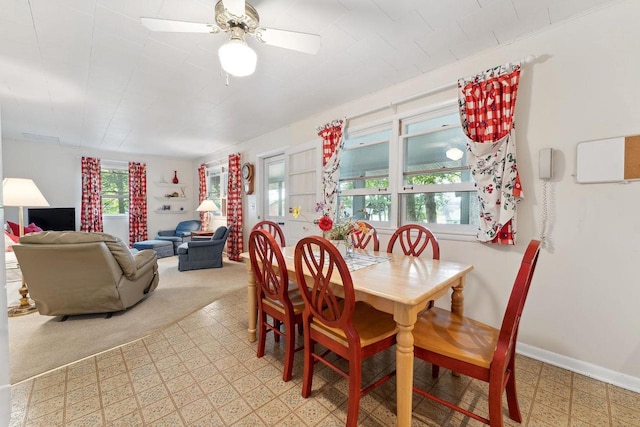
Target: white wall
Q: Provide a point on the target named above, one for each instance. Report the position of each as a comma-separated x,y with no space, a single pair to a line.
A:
56,170
5,385
582,311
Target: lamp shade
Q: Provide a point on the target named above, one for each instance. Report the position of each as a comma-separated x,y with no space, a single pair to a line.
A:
237,58
207,206
22,192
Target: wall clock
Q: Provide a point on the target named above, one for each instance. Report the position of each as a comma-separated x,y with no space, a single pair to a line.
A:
247,177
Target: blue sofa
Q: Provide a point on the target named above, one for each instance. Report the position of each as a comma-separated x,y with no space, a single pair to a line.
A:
196,255
180,234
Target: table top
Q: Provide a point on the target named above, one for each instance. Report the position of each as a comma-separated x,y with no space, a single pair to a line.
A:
404,279
202,233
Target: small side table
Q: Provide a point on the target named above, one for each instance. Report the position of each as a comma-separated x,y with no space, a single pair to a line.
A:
201,235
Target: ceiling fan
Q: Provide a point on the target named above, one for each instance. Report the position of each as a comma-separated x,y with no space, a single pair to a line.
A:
239,19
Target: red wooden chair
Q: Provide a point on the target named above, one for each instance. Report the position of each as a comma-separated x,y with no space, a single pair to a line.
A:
350,329
273,229
414,239
360,241
274,297
480,351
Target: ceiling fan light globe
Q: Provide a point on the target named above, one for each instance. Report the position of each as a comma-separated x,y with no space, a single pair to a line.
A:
454,153
237,58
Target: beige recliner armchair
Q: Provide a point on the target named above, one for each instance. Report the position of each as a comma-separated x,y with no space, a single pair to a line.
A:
74,272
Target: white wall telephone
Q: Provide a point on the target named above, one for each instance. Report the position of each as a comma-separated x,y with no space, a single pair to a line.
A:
545,163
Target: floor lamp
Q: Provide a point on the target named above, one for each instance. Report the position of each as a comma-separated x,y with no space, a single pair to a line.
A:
22,192
207,206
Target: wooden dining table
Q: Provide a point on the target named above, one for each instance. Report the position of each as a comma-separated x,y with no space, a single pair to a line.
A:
397,284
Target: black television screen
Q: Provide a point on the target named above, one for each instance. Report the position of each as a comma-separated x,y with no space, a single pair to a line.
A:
53,219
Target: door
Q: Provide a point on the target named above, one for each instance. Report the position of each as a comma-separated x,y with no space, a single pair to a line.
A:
304,175
274,203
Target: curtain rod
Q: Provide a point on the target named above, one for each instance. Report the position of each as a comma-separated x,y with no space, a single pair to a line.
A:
527,59
124,162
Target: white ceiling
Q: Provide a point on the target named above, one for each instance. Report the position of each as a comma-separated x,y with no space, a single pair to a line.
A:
86,73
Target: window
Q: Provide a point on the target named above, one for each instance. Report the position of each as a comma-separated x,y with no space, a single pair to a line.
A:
437,188
410,169
364,191
115,191
274,208
217,186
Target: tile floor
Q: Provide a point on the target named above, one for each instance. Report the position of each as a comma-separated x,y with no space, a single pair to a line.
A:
202,371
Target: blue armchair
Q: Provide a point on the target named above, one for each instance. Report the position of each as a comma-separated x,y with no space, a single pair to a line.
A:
180,234
196,255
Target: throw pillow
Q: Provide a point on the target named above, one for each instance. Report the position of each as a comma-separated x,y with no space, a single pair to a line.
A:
15,228
31,228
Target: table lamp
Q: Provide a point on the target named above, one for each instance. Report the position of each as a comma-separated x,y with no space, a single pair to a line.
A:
22,192
207,206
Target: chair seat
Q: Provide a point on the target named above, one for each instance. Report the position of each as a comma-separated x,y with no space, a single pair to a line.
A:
456,337
296,300
372,325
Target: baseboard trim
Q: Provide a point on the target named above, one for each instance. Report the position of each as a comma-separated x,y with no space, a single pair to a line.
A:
587,369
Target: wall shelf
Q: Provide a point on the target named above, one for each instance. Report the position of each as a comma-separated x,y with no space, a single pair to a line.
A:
169,184
170,199
170,211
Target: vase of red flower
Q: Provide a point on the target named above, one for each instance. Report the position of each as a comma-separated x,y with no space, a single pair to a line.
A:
338,231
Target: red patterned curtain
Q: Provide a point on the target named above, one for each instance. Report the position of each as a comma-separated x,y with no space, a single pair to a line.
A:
487,103
202,190
332,145
91,209
137,202
234,209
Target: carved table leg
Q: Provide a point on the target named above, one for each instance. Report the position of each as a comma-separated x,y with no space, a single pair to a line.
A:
252,303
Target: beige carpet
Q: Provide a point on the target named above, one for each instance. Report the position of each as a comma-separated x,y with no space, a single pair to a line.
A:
38,343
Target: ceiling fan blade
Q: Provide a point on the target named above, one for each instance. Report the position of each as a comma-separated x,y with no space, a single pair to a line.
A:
235,7
302,42
155,24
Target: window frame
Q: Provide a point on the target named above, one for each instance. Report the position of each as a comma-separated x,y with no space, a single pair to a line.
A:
221,171
396,188
356,132
470,186
110,168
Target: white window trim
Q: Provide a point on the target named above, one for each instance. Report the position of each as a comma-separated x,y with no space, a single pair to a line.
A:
461,232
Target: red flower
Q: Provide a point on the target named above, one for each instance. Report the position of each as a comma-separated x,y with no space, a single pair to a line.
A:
325,223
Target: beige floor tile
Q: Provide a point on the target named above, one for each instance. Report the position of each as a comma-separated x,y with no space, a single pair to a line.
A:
83,393
273,412
117,394
171,420
590,385
625,415
586,414
223,396
42,394
80,409
157,410
120,409
196,410
233,411
152,395
552,400
596,403
549,415
93,419
130,420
